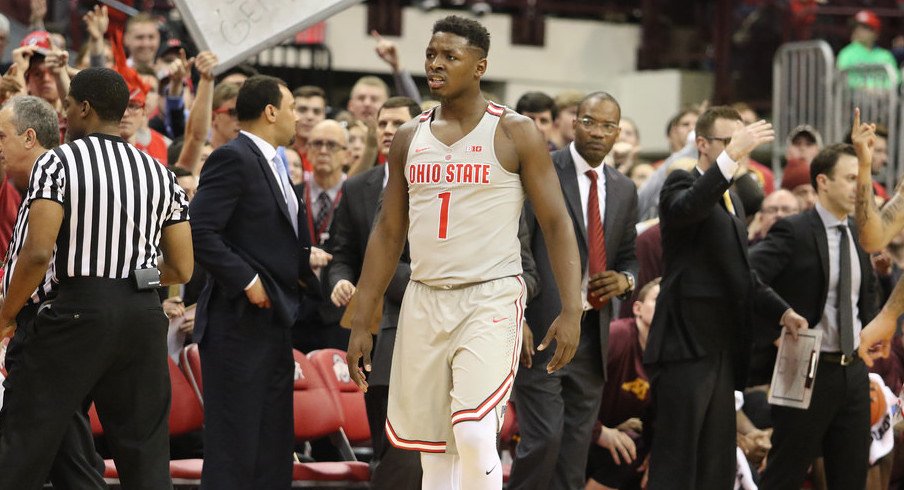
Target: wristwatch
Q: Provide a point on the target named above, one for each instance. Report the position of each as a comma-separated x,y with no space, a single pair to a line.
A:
630,279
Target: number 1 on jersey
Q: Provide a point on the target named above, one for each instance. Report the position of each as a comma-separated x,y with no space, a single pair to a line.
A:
445,197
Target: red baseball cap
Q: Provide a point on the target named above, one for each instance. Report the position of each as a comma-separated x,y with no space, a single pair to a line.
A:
39,39
137,96
869,19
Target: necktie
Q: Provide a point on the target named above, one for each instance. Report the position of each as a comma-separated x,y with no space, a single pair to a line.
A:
286,186
728,205
597,245
845,308
323,207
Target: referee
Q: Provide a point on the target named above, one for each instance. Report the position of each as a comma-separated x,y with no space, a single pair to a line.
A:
116,225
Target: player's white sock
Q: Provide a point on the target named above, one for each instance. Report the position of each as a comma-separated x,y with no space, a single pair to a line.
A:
441,471
476,443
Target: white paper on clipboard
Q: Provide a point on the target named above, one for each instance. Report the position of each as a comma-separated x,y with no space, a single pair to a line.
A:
795,369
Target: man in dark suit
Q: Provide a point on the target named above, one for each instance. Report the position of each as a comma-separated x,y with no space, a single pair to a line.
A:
814,262
396,468
556,411
699,341
249,234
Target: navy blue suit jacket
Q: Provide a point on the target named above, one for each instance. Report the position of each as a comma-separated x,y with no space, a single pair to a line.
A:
241,227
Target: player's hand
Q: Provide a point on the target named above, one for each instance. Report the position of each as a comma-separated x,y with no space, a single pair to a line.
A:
863,137
747,138
608,284
342,293
257,295
386,50
527,346
319,258
360,344
875,338
619,444
567,333
793,322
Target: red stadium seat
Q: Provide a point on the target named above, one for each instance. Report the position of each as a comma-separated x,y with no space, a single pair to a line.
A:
506,434
332,367
317,415
190,362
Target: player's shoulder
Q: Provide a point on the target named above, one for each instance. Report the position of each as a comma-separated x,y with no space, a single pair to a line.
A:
510,119
522,130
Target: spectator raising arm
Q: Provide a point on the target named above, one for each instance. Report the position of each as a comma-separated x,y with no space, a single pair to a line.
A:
404,83
199,118
96,23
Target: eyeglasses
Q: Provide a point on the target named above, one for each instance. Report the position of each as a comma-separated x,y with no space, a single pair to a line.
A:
225,110
589,123
725,141
330,146
786,210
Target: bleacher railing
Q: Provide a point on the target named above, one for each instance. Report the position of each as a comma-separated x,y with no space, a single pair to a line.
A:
874,89
808,89
803,75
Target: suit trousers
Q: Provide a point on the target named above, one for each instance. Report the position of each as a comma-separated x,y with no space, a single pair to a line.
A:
836,426
248,372
393,468
77,465
99,339
694,433
556,413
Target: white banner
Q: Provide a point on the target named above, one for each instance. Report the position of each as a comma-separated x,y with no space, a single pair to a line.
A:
238,29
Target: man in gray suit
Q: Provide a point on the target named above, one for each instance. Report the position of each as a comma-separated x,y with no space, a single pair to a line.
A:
556,411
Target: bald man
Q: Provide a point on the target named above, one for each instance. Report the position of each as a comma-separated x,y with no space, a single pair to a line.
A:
327,151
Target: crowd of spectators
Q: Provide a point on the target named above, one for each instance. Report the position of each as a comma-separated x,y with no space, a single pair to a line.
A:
179,112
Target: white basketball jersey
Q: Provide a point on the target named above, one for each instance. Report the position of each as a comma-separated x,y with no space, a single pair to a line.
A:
463,207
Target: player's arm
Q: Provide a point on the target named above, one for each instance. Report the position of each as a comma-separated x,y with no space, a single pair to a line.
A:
387,240
876,227
542,186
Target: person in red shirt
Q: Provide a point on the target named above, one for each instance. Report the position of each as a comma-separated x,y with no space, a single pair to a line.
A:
134,123
617,450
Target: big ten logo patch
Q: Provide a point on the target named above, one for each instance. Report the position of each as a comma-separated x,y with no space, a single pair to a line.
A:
340,369
474,149
639,387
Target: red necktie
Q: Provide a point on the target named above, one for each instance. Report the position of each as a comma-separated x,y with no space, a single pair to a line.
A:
595,236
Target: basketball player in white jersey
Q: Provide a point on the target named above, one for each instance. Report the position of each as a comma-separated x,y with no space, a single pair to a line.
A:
457,179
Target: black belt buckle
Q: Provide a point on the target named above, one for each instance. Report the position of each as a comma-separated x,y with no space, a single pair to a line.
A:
146,278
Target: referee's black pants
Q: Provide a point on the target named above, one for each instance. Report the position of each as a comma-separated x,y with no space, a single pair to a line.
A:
77,466
99,339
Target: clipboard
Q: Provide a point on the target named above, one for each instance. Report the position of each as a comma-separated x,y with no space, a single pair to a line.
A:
795,369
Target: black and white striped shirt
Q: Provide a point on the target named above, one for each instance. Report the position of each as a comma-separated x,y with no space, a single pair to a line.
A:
116,199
